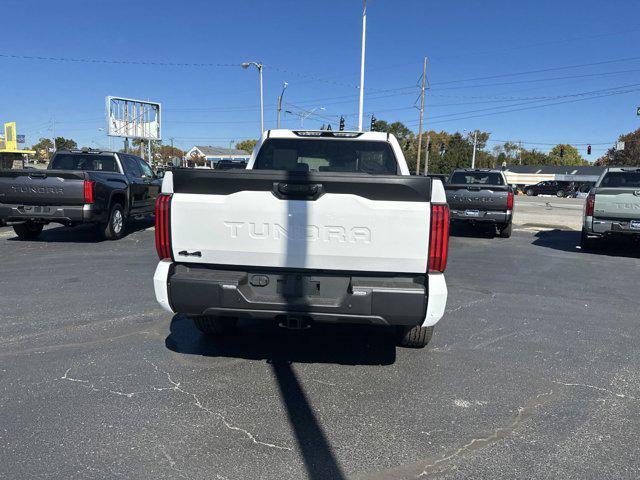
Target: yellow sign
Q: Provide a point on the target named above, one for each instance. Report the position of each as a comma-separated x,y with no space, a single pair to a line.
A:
10,142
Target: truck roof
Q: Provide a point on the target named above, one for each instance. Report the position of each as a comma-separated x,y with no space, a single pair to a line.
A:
328,134
623,169
483,170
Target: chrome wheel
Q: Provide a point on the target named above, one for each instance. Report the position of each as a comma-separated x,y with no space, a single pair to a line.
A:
117,221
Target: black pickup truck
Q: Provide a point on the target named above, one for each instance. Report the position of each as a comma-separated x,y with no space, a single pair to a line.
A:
79,186
481,196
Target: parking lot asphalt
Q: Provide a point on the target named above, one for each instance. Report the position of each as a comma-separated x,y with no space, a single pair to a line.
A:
534,372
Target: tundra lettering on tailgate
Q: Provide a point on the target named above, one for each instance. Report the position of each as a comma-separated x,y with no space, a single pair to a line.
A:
313,233
34,189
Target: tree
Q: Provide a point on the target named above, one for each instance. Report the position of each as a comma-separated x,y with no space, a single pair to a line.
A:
563,154
534,157
166,153
141,147
246,145
65,144
629,156
42,148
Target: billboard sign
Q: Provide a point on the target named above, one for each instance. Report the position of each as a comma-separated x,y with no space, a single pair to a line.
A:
130,118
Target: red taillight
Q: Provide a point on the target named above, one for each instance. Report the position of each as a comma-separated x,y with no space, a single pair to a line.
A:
88,191
510,201
439,238
590,204
163,226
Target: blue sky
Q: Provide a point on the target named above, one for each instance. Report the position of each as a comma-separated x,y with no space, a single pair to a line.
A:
578,49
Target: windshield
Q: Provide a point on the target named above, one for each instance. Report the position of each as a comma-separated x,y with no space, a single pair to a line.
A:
476,178
88,162
314,155
621,180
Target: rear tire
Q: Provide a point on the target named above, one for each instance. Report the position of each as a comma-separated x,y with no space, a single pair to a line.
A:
413,337
560,193
586,243
28,230
529,192
505,230
114,228
215,326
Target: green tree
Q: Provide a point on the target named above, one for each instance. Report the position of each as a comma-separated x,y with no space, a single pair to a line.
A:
42,148
65,144
166,153
534,157
246,145
629,156
563,154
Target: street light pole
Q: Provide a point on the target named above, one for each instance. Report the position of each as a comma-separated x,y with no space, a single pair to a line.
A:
364,38
259,66
475,142
284,87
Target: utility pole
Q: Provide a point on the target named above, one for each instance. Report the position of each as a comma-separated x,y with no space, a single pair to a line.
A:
364,38
475,143
150,155
426,155
53,128
520,152
424,84
259,66
284,87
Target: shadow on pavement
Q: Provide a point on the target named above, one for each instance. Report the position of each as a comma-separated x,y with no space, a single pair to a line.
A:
83,233
569,241
478,230
317,453
260,340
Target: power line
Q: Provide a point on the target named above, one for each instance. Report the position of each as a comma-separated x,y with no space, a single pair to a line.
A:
539,106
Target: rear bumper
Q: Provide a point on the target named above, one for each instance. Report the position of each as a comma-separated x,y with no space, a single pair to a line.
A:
603,226
488,216
322,297
51,213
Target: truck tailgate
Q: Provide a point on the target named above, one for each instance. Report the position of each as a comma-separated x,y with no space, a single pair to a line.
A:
460,197
323,221
617,203
42,187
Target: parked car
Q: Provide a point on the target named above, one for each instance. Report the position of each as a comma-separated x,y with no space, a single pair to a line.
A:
612,207
479,197
583,190
550,187
79,186
322,227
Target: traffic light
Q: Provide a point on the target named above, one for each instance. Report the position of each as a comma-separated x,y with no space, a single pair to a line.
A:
588,149
341,123
429,145
561,151
373,123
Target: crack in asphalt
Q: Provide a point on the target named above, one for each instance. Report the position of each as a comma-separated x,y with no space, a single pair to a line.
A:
593,387
175,386
499,433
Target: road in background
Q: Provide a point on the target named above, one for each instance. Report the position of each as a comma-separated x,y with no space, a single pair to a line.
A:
546,212
534,372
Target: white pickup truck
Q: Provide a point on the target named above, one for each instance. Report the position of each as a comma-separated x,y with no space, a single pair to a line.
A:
321,227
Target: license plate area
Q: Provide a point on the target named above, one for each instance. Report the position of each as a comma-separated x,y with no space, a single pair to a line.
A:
471,213
634,225
34,209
